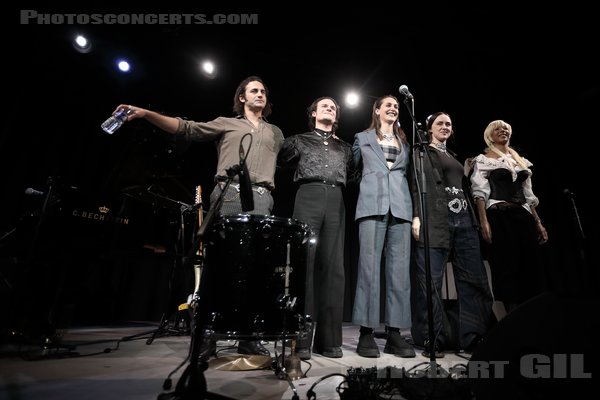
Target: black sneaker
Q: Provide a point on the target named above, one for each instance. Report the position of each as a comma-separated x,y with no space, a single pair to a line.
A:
367,347
396,345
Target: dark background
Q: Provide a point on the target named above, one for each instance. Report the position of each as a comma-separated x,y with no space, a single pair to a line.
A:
534,69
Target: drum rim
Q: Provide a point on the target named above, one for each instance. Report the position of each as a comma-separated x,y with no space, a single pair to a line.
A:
262,217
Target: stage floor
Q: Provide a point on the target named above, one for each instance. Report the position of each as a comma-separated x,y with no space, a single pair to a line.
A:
135,370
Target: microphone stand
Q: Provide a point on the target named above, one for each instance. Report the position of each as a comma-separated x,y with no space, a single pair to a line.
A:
581,240
192,383
180,260
420,142
43,215
163,325
33,321
571,198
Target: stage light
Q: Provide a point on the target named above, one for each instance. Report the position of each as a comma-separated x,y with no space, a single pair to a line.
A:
123,66
352,99
209,69
82,44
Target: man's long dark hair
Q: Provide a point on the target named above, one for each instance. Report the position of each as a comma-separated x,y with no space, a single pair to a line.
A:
238,106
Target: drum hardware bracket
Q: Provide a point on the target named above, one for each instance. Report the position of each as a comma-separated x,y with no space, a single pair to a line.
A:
286,302
291,303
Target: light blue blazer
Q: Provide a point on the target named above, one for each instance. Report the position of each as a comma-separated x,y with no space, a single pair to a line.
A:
381,188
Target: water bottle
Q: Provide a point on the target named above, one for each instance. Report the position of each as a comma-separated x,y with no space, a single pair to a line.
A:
115,121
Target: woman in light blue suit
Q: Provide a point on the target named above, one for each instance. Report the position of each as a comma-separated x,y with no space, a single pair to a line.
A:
384,215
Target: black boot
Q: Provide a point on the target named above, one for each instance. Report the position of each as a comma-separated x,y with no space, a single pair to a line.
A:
253,347
437,348
367,347
397,345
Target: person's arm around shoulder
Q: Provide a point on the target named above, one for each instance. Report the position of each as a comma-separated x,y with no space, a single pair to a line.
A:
416,227
279,138
353,164
480,191
167,124
356,154
289,154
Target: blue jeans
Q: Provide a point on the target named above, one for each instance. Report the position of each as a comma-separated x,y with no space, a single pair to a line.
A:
470,278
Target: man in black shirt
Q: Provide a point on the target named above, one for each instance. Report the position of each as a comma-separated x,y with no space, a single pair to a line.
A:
321,160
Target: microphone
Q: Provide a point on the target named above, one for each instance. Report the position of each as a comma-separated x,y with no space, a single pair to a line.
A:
241,152
246,197
568,193
33,192
246,189
404,90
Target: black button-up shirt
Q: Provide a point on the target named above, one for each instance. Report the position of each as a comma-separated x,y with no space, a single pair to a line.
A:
316,161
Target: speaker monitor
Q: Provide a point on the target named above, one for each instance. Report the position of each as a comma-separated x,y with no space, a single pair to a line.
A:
545,348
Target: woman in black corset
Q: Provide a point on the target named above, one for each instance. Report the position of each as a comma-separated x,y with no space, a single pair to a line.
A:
501,184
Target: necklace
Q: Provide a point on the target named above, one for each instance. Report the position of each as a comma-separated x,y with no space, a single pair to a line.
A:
440,146
388,138
324,135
